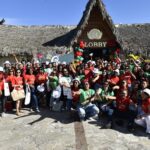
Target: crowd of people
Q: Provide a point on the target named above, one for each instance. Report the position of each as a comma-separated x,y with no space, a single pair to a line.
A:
115,88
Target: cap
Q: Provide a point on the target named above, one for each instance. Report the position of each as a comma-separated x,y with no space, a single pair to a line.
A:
147,91
6,62
96,71
76,79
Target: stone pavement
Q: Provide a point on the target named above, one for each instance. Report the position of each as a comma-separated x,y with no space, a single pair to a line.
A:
61,131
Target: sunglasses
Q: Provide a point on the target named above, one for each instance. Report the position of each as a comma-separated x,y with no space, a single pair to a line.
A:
18,72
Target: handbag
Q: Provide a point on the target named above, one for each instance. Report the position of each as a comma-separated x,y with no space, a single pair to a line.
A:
28,95
57,105
6,89
17,94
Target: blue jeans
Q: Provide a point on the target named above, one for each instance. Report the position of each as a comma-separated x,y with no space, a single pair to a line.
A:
34,100
68,104
87,111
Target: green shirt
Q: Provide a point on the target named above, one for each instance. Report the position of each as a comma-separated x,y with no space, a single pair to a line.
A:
53,82
85,94
103,93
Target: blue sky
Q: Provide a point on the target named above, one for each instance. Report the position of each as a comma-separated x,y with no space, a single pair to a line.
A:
69,12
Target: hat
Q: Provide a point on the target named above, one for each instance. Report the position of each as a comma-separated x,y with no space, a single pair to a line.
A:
91,54
36,62
47,62
64,63
76,79
93,62
6,62
96,71
147,91
1,69
117,71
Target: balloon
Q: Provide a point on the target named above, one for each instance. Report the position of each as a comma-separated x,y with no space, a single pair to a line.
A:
118,50
82,45
39,55
78,54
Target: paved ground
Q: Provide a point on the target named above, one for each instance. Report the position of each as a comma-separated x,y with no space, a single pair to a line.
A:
61,131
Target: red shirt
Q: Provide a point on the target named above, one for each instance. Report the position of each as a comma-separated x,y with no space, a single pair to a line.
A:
145,105
127,76
30,79
1,85
75,97
122,103
18,81
41,78
11,79
88,74
114,80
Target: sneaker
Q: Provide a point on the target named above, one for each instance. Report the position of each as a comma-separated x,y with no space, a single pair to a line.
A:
17,113
130,127
37,110
96,117
119,122
3,114
107,126
31,110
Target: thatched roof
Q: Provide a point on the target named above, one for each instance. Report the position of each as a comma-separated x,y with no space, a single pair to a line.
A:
24,39
30,39
86,14
135,37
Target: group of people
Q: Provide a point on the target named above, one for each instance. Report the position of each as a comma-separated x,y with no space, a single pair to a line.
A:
117,89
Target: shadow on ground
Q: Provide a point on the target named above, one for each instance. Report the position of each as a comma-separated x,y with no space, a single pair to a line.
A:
62,117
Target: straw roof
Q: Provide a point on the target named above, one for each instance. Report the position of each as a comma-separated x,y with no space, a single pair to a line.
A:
86,14
135,37
29,39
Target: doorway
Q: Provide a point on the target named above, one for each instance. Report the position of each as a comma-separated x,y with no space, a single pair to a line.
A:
97,53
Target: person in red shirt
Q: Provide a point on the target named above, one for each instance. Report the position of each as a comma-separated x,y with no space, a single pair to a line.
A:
75,92
114,79
87,72
18,85
122,109
2,98
128,76
143,119
30,81
40,82
41,77
11,79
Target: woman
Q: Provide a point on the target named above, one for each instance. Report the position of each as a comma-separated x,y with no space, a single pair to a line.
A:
75,92
18,85
85,107
2,97
66,96
143,118
30,81
11,79
40,80
53,84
